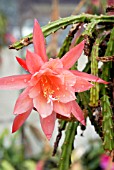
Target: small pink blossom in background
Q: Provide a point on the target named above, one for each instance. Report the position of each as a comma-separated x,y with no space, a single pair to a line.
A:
49,86
95,2
10,38
106,162
40,165
109,4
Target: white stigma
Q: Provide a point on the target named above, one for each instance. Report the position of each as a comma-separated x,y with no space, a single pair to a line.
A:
51,99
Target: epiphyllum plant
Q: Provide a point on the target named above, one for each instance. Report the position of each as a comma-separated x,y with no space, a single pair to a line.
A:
50,86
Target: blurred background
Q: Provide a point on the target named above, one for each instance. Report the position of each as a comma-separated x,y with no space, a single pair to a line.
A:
27,146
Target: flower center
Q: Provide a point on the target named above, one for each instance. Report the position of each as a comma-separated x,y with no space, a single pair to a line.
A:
47,89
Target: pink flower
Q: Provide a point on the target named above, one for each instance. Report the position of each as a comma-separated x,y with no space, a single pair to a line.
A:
106,162
40,165
96,2
49,86
10,38
110,3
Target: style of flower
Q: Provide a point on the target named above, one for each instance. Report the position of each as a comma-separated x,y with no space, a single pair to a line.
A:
49,86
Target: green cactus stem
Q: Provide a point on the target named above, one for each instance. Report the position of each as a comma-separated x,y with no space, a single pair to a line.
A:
67,42
90,28
62,24
65,159
106,74
107,124
94,91
94,95
65,46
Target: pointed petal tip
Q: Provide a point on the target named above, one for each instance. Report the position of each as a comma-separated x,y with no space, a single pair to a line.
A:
22,62
83,122
105,82
89,77
83,41
48,136
14,127
13,130
35,20
102,81
39,41
17,57
73,55
81,45
48,125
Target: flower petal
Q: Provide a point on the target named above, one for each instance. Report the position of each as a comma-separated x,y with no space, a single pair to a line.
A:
15,82
82,85
77,112
64,94
47,72
72,56
33,61
22,63
40,103
53,64
88,77
69,78
23,103
34,79
39,41
48,124
63,108
19,120
34,91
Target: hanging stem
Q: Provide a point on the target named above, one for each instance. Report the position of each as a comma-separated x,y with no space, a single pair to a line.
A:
67,146
94,91
107,125
107,66
62,23
60,129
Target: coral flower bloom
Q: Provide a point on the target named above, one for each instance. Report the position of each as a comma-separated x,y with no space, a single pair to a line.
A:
49,86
